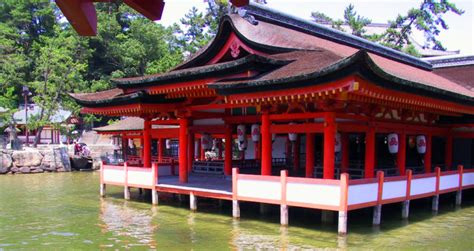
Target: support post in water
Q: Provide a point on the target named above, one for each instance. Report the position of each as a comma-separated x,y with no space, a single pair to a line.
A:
378,208
459,192
342,219
126,189
235,209
435,201
406,203
283,206
235,202
102,185
192,202
154,193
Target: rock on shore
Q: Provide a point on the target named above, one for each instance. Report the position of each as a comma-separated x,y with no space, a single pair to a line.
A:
34,161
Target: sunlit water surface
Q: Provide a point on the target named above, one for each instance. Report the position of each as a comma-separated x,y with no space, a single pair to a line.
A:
57,211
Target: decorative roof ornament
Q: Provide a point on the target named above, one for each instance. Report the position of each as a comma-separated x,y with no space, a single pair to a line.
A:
243,14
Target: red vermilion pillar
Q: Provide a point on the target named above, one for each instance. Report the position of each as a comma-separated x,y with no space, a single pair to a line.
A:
124,148
448,159
147,143
296,154
401,156
427,158
183,150
161,148
370,152
309,170
190,151
202,152
329,145
345,152
228,150
199,147
266,145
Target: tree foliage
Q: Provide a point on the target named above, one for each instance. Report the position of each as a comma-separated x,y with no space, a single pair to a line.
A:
428,18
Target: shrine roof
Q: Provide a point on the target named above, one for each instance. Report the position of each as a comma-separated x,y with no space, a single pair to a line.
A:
219,69
106,98
129,124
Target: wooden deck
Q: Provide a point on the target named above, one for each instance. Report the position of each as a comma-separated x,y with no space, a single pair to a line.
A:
210,186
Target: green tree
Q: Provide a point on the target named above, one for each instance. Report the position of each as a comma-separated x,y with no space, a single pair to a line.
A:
356,22
427,18
195,34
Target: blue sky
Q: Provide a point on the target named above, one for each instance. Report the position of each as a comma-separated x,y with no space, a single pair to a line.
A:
459,36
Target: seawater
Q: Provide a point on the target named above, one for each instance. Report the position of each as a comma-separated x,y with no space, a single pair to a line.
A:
64,211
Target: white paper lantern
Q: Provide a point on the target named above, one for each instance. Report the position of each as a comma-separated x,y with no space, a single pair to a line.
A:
393,143
255,132
242,145
241,133
338,143
206,141
168,144
292,136
421,144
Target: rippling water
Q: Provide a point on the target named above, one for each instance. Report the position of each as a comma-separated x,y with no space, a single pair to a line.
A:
46,211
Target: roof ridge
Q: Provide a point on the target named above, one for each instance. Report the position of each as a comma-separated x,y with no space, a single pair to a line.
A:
315,29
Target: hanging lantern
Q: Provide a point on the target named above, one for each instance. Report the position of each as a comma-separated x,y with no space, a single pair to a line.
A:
255,132
241,133
421,144
206,141
168,144
130,142
292,136
393,143
242,145
338,143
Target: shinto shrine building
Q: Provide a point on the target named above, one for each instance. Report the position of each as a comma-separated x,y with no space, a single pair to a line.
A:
307,116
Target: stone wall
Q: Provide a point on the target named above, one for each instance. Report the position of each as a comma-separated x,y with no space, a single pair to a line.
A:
34,161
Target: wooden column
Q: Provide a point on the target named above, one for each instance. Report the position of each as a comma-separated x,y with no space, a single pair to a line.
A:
266,145
256,149
427,157
329,144
228,150
345,152
202,151
190,151
309,170
401,156
183,148
448,159
161,149
370,152
296,154
147,143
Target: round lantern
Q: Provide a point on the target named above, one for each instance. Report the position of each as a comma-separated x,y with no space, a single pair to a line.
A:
421,144
338,143
393,143
168,144
242,145
206,141
241,133
292,136
255,132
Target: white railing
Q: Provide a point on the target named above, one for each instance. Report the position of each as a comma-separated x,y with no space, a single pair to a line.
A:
284,190
344,194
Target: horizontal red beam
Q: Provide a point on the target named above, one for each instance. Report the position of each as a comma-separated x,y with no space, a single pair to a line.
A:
298,128
152,9
239,3
81,15
214,129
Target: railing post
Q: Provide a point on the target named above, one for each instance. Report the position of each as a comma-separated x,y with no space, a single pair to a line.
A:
126,189
378,208
342,221
459,192
235,202
283,205
154,193
406,203
435,202
102,185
